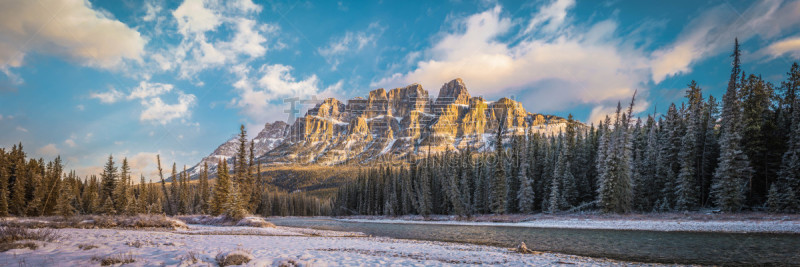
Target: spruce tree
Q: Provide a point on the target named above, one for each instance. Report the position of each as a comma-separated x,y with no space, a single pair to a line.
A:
164,192
120,191
205,194
788,191
498,197
222,189
526,195
733,172
686,191
108,186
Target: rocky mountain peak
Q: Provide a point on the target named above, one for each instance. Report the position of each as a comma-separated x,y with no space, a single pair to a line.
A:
453,92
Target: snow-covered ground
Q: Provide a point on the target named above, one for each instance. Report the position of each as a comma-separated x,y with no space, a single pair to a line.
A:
199,245
667,225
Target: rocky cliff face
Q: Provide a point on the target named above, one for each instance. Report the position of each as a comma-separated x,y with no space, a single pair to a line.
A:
403,122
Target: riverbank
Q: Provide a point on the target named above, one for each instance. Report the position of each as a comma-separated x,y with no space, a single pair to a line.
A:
201,245
668,222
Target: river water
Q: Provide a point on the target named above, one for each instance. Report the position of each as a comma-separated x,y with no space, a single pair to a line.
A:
629,245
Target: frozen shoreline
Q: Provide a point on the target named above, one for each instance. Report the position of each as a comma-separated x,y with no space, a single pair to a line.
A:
664,225
271,247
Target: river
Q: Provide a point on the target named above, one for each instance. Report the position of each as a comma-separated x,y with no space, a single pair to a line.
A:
629,245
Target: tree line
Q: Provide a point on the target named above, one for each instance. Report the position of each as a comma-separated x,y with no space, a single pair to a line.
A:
740,154
31,187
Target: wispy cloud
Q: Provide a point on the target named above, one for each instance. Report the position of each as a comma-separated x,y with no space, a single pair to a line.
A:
711,33
109,97
349,44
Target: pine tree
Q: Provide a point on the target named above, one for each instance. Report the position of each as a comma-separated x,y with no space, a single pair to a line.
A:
686,191
789,174
234,207
64,205
205,194
615,191
222,189
499,186
728,188
164,191
4,176
525,197
120,196
108,186
556,187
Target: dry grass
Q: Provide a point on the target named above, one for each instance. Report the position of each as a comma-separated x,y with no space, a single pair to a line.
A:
10,235
122,258
190,258
96,221
252,221
236,257
86,246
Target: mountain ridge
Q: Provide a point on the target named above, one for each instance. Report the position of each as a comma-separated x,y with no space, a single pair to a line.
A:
392,125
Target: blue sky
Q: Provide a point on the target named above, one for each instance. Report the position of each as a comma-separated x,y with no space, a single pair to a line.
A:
84,79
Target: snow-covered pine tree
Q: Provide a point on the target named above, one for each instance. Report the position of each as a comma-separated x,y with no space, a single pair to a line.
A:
616,192
686,196
497,198
525,197
728,188
789,174
557,201
710,147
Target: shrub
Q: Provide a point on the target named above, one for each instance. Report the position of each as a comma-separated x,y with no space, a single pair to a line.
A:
115,259
236,257
86,246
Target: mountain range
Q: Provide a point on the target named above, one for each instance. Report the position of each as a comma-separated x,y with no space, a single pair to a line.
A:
389,125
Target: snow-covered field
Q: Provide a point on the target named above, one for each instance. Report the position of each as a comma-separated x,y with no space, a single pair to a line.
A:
200,244
749,226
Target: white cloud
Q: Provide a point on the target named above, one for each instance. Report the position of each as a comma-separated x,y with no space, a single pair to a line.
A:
80,107
789,46
260,98
576,65
202,48
109,97
49,150
351,42
70,142
146,89
194,17
712,32
19,128
69,29
156,110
